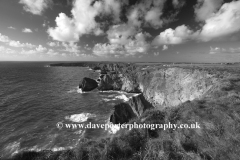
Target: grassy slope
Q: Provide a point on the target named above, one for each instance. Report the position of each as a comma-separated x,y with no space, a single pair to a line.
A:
217,139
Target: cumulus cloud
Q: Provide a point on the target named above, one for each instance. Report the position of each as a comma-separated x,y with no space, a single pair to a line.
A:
225,22
165,47
156,53
148,13
120,34
218,50
206,8
27,30
83,20
35,6
38,50
5,50
71,47
131,46
53,44
51,52
13,43
11,27
170,36
4,38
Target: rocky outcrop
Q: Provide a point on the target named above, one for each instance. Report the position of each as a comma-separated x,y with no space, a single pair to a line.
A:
126,111
88,84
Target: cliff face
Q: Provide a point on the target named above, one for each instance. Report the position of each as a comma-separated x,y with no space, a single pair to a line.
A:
173,86
163,87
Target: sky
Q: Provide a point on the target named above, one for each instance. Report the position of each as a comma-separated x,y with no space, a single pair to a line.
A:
205,31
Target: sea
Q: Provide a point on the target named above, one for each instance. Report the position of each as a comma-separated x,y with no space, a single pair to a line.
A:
34,98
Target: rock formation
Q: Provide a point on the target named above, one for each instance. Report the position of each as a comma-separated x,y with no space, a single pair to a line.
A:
88,84
124,112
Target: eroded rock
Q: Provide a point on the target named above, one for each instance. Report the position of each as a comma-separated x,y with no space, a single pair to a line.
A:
88,84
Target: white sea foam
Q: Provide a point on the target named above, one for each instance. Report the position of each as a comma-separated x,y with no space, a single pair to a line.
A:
79,90
80,117
112,129
12,148
123,97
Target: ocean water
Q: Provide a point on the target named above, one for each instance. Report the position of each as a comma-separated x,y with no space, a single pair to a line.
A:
34,98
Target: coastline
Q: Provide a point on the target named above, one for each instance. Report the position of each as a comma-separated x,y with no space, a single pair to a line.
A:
165,94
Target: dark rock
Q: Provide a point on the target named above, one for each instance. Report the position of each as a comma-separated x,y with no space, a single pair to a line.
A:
122,113
88,84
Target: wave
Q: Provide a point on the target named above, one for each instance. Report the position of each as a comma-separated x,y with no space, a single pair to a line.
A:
112,129
80,117
12,148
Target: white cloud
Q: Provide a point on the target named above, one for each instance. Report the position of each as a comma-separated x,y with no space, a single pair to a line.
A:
120,34
4,50
156,53
27,30
130,46
152,17
51,52
133,17
38,50
148,13
180,35
206,8
218,50
11,27
165,47
225,22
71,47
4,38
65,30
108,50
35,6
53,44
13,43
83,19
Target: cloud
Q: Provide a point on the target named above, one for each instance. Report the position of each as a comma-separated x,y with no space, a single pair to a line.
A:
152,17
35,6
180,35
165,47
4,38
27,30
13,43
147,13
51,52
218,50
206,8
83,20
129,47
156,53
225,22
120,34
71,47
11,27
4,50
53,44
178,3
39,49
